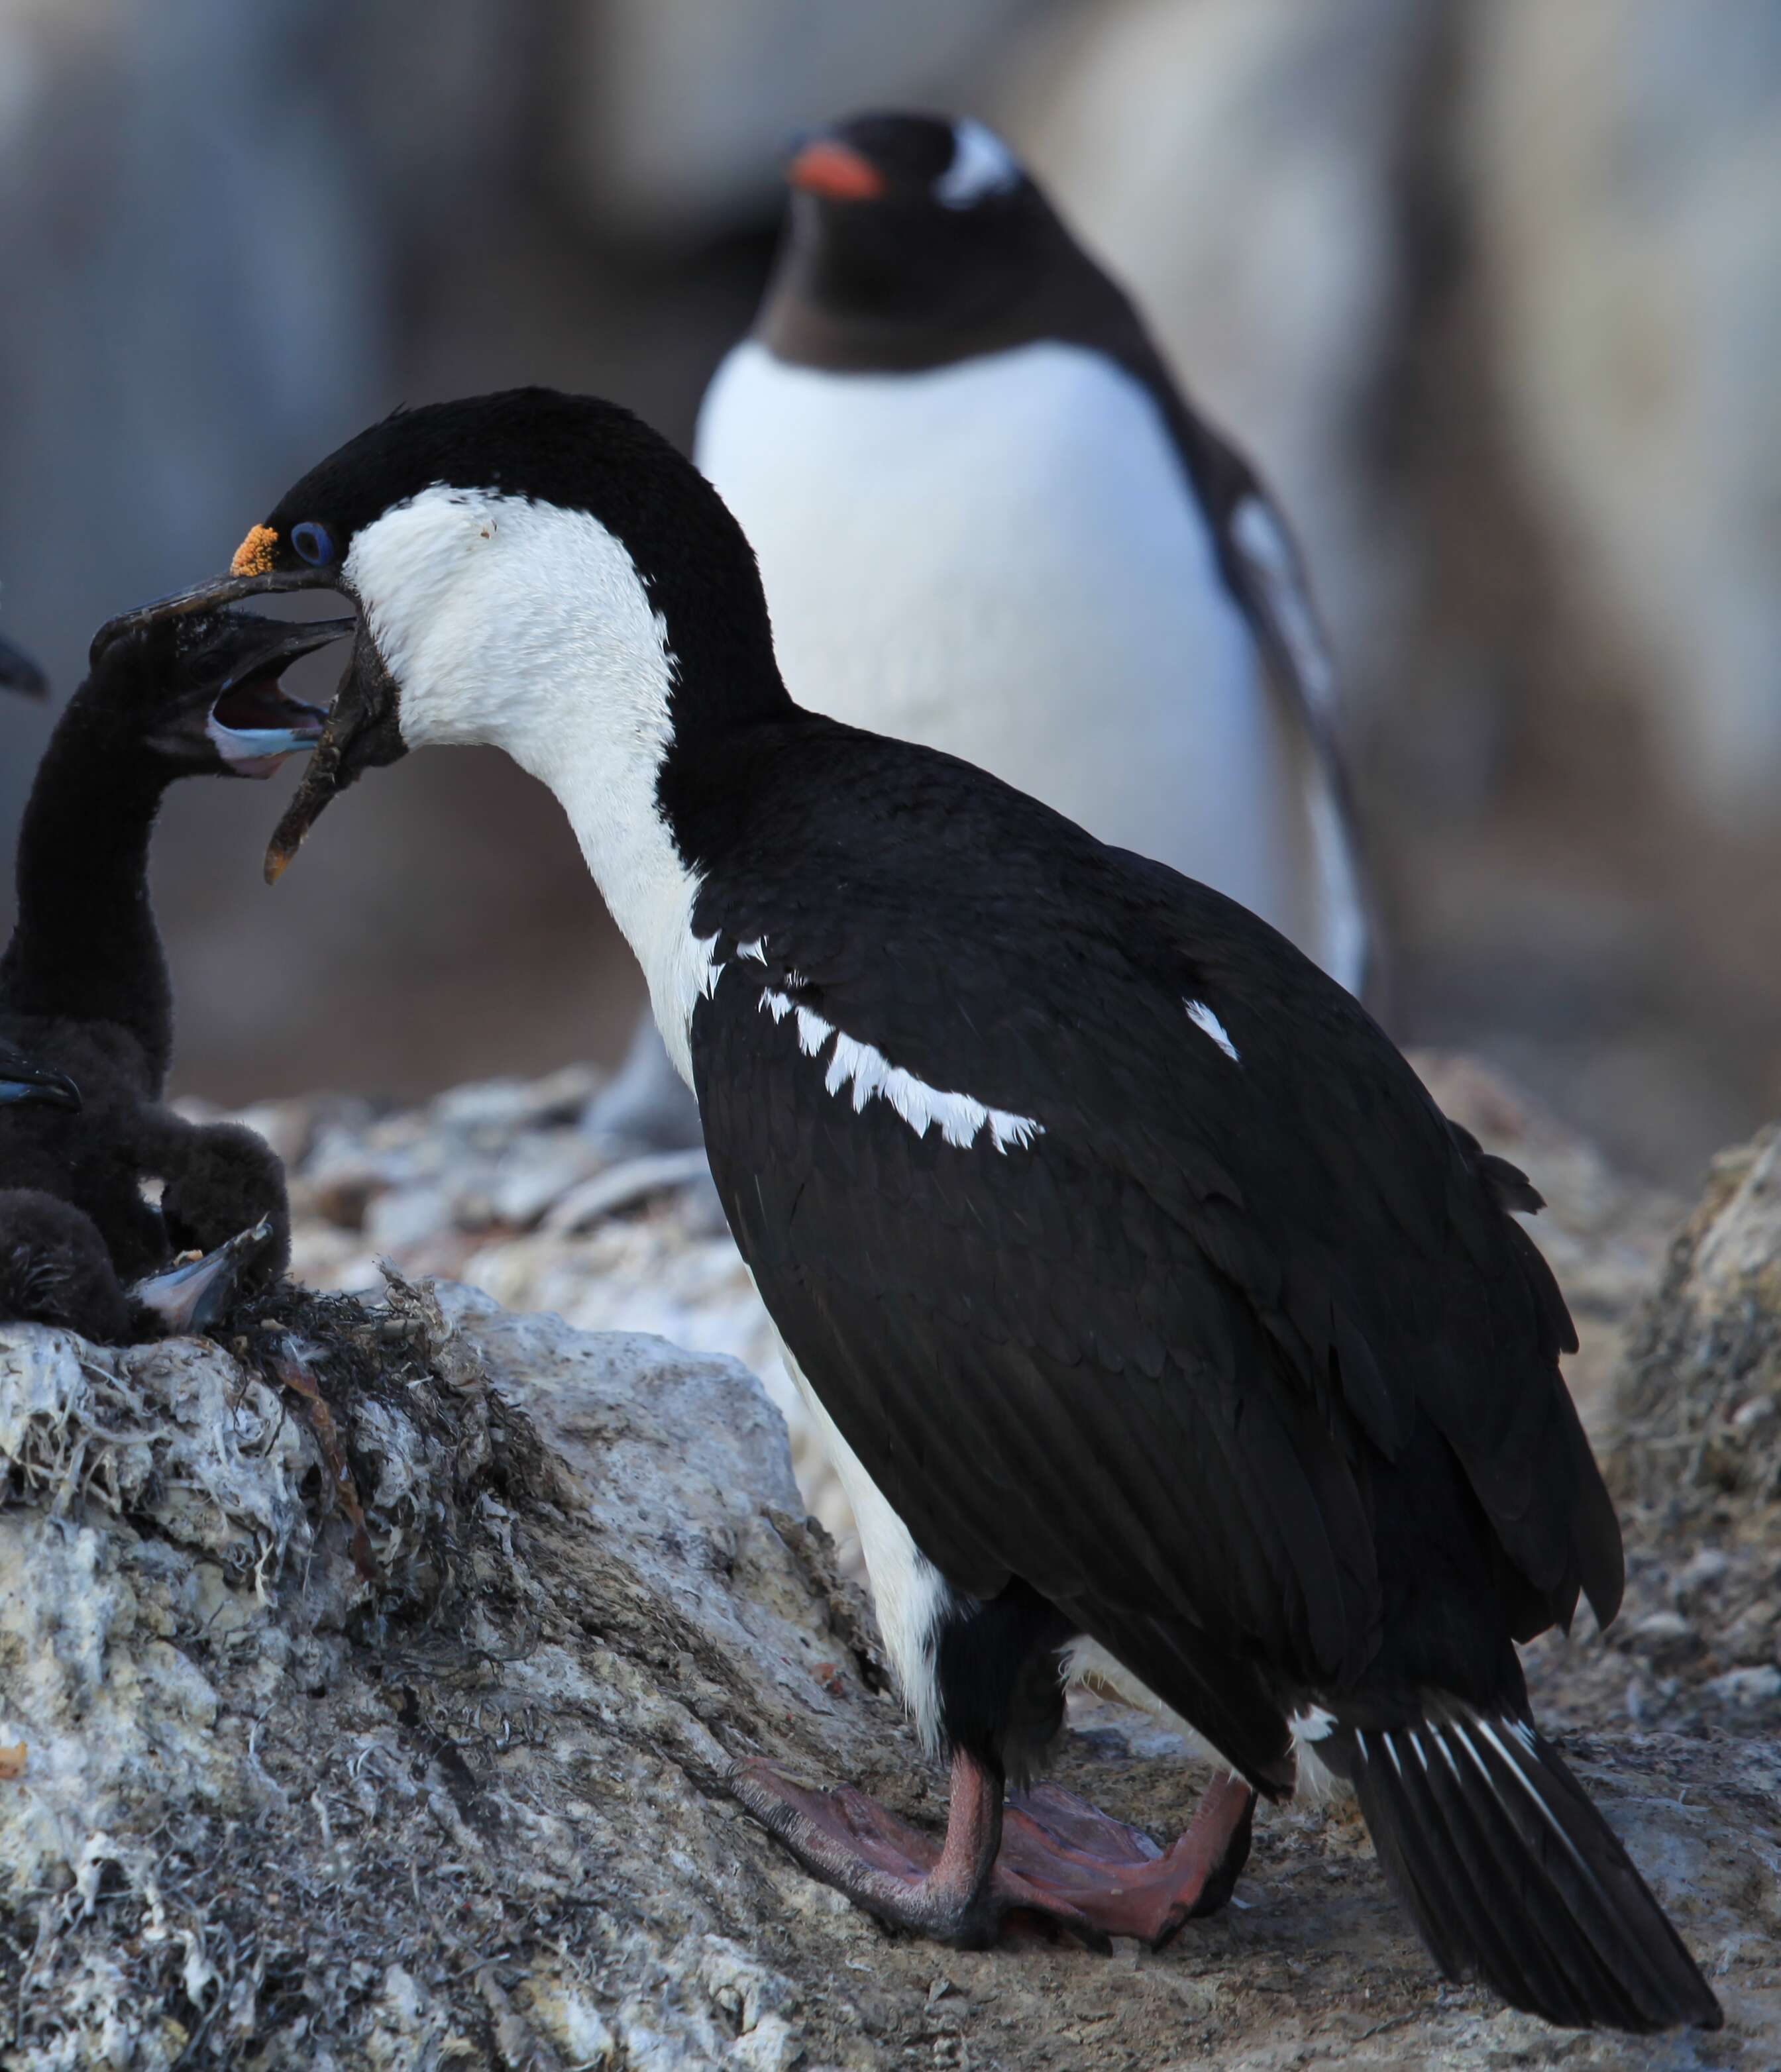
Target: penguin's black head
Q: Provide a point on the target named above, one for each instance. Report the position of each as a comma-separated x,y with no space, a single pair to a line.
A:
921,219
200,691
909,164
523,565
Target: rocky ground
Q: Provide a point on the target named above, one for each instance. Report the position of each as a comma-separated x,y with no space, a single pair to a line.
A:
368,1681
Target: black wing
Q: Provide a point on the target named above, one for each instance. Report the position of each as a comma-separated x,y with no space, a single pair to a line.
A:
1162,1355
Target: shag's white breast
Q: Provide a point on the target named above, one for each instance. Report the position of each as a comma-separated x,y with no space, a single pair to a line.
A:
1002,559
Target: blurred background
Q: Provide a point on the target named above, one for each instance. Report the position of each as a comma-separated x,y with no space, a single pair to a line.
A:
1491,289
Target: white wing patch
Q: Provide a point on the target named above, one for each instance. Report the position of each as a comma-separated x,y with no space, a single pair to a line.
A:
813,1032
864,1068
981,165
1207,1022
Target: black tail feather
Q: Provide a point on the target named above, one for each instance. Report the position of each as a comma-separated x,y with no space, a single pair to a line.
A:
1512,1877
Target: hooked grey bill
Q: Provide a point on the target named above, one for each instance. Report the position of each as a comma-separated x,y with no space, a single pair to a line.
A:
359,731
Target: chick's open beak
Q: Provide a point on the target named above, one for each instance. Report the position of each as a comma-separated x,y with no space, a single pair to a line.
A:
361,731
254,723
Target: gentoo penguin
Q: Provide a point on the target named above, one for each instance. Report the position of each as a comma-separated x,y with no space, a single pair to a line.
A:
1163,1328
988,519
85,995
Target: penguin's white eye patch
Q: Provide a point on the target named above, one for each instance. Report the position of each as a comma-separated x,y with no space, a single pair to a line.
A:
982,165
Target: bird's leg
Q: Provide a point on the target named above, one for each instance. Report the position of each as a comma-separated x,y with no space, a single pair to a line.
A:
957,1891
187,1298
1115,1876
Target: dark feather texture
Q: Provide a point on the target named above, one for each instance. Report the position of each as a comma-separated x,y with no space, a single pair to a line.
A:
1239,1362
1512,1876
84,991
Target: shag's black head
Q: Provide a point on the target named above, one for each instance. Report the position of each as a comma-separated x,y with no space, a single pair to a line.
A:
915,240
571,455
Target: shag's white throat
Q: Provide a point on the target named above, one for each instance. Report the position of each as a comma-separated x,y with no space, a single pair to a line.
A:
528,625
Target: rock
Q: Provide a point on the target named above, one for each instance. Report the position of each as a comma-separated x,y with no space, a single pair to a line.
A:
1702,1444
1747,1686
463,1804
1708,1567
1696,1476
624,1186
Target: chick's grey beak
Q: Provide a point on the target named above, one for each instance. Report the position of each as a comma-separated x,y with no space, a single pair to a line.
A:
363,732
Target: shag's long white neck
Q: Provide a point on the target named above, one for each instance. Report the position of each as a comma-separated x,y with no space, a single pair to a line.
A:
527,626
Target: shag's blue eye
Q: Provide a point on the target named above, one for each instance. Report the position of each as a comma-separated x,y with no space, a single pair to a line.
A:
313,543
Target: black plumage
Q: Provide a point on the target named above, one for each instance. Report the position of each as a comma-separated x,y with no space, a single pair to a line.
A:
1153,1299
86,1002
22,1079
1240,1365
1271,1280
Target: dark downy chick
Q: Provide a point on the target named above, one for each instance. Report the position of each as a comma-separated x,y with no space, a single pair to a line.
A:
86,1009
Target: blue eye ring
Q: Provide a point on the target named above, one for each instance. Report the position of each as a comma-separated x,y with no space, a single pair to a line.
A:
313,544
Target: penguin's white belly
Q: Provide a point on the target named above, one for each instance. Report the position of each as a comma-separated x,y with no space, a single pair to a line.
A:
1002,559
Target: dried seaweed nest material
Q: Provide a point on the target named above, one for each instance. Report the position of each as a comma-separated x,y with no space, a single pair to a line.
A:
1695,1466
1700,1402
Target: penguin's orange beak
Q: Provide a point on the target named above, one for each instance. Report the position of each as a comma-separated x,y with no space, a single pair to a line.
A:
835,171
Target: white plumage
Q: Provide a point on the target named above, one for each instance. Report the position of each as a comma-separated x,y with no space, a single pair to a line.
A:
1003,558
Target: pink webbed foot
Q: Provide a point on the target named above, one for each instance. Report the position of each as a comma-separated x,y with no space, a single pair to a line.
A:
954,1890
1115,1876
1047,1854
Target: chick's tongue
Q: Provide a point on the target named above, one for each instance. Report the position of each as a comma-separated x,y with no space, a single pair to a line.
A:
260,704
